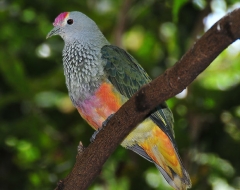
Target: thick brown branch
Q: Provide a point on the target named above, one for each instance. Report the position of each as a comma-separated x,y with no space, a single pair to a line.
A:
173,81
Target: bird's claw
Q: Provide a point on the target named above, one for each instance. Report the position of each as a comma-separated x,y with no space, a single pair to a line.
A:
100,128
107,120
95,134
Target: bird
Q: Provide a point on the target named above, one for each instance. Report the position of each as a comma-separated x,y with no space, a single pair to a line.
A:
100,78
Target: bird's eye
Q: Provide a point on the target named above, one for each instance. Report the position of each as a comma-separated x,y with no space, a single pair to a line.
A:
70,21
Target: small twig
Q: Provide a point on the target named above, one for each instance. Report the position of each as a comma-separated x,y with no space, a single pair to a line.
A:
121,22
60,185
80,149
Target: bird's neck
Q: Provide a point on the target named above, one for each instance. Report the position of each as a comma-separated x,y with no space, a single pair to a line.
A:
83,70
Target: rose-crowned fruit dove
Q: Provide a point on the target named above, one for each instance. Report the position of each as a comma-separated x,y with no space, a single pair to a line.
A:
100,78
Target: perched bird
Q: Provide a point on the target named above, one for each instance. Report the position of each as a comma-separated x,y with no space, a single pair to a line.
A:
100,78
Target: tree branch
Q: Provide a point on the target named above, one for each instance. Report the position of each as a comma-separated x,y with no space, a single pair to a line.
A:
89,163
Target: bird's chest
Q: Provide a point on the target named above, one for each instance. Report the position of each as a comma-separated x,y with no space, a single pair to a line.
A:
104,102
83,70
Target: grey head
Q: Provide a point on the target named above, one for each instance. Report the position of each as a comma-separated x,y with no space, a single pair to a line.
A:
83,66
72,26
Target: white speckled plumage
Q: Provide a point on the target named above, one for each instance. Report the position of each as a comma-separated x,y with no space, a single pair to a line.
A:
76,58
83,43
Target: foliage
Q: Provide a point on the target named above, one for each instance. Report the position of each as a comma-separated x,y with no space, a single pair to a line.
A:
40,129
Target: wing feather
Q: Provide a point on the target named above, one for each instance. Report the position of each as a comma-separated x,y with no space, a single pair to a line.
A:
124,72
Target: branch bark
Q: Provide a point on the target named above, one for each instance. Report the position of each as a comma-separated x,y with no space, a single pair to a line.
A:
89,163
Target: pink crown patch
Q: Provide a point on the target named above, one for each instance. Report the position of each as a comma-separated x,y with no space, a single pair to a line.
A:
60,18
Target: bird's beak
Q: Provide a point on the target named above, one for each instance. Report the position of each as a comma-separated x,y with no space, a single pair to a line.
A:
53,32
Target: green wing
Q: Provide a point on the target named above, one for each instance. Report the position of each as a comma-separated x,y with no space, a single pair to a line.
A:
124,72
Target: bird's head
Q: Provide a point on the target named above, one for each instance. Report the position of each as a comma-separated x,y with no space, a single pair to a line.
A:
74,25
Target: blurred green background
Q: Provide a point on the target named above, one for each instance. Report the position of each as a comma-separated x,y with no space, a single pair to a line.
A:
40,129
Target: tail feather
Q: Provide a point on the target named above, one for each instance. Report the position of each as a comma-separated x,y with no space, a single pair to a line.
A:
151,142
176,182
173,179
169,179
179,181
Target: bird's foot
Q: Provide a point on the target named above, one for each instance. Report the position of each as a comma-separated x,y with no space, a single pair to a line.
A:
95,134
107,120
100,128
